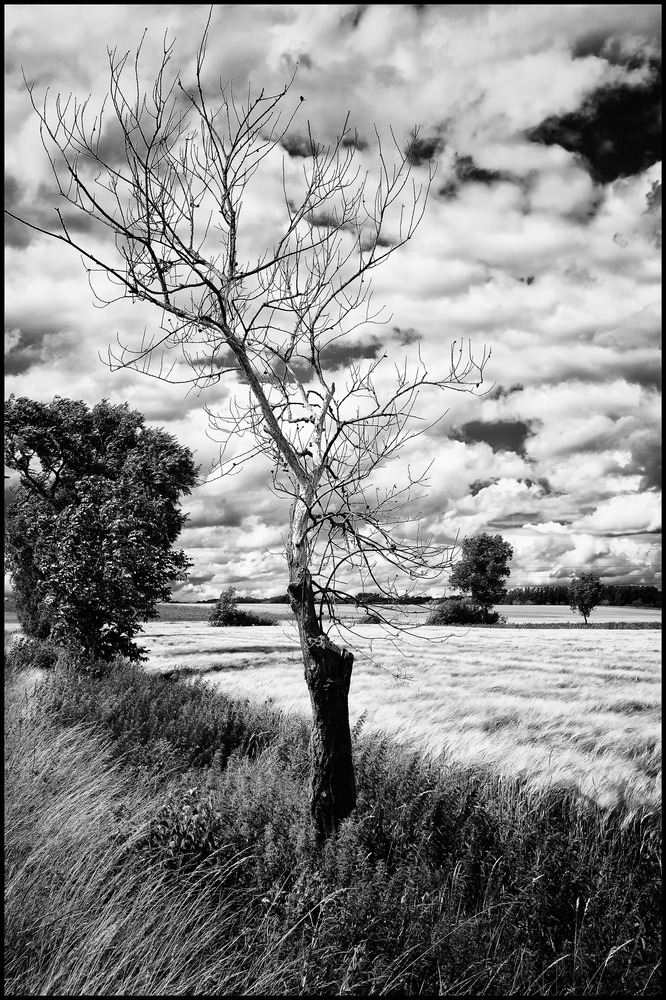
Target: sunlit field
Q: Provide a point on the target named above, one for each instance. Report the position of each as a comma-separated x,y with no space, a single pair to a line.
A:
188,816
579,707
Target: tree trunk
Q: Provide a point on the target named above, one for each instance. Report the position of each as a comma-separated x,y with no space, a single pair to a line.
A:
328,671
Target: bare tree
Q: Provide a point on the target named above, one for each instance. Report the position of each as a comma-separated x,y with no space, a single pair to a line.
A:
165,172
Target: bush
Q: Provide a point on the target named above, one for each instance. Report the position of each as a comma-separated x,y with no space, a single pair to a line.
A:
462,611
226,612
29,654
157,723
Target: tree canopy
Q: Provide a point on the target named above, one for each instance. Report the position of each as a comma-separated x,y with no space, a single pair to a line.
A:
482,569
585,592
92,521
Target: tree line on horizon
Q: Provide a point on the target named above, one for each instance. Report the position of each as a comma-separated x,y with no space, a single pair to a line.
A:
616,595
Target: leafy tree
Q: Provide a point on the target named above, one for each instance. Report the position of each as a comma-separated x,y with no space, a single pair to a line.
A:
91,525
163,226
226,612
482,569
585,592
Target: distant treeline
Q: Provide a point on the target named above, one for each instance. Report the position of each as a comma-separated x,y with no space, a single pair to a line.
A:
359,598
616,595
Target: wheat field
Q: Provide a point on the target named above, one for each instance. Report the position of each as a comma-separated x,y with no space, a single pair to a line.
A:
577,707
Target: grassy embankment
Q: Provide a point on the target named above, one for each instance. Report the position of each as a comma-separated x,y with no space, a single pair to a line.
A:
157,843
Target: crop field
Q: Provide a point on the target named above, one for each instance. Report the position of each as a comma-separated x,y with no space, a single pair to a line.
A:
578,707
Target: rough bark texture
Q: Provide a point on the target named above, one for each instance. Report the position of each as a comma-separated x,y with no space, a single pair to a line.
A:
328,670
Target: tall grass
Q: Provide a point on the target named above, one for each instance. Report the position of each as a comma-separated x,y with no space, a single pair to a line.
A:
141,860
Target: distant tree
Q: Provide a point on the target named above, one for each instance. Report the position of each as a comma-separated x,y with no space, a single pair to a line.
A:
226,612
482,569
92,521
585,592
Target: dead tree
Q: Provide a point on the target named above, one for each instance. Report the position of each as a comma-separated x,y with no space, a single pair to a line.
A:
162,177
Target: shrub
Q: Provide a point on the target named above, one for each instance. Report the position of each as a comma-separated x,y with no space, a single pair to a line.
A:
462,611
226,612
154,722
29,654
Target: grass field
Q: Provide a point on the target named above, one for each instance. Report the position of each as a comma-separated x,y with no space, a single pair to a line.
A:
157,837
578,707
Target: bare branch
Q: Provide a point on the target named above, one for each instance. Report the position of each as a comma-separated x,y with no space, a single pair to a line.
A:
172,204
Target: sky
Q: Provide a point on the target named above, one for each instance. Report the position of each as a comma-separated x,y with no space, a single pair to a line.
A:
541,240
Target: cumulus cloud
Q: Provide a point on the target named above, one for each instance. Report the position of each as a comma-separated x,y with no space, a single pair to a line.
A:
540,241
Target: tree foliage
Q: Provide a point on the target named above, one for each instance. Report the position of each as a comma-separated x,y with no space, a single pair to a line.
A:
482,569
585,592
225,612
618,595
92,521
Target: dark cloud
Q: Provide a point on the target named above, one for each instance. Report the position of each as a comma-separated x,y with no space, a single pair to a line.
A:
333,357
304,59
36,345
40,211
542,483
466,171
328,220
298,145
499,392
408,336
355,142
481,484
338,355
616,131
352,18
631,52
634,371
644,373
111,147
544,487
193,579
220,363
227,515
646,462
501,435
422,150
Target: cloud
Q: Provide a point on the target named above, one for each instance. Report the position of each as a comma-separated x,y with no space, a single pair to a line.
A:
539,240
501,435
626,514
616,131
